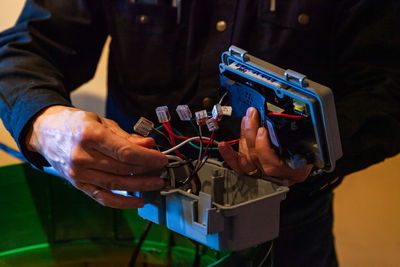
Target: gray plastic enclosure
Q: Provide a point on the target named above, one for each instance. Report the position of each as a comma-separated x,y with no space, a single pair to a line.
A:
283,83
231,212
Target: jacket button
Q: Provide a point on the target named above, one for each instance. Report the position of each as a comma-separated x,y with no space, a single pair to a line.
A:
221,26
143,19
303,19
208,102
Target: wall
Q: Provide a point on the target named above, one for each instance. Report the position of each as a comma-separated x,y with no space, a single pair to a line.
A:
367,217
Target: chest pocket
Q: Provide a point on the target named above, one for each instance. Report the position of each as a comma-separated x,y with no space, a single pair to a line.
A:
296,33
147,40
303,15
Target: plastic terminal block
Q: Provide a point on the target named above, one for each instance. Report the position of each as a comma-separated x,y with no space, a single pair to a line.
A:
227,110
217,112
184,112
143,126
274,108
201,117
299,107
163,114
212,124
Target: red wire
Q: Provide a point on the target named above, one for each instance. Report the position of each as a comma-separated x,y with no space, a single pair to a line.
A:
169,130
286,115
168,127
205,151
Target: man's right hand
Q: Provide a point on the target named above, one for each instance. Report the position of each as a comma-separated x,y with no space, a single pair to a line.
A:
96,155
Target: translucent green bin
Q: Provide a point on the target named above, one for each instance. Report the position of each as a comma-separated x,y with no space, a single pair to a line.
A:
46,222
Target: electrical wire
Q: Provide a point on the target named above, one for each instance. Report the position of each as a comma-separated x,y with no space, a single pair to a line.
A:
175,158
285,115
181,163
205,139
194,127
211,138
136,251
168,127
267,255
203,161
190,143
163,134
222,97
201,147
196,262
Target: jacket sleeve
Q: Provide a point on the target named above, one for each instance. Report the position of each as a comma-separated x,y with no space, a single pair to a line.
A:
367,77
53,48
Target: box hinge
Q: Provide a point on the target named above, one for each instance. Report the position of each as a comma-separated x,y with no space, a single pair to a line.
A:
238,52
291,75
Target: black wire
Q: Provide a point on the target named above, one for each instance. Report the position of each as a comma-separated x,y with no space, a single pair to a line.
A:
203,161
196,262
136,251
171,243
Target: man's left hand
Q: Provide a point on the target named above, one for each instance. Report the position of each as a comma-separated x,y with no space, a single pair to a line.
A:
256,153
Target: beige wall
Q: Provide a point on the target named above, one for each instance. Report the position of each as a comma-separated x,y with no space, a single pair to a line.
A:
367,205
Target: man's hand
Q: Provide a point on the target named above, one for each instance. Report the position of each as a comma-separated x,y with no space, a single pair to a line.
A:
96,155
256,152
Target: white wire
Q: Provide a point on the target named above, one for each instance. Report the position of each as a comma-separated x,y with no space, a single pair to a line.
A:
176,158
222,98
185,142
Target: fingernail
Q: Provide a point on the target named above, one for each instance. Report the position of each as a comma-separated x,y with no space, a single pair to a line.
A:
247,122
250,112
261,132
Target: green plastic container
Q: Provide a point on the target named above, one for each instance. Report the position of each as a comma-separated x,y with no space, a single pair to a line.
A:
46,222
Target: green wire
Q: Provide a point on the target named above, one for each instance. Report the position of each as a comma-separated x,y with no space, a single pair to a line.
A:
190,143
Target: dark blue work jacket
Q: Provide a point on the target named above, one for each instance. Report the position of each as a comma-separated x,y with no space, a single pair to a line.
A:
162,55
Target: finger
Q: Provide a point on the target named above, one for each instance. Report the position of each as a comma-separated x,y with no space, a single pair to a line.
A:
272,164
245,160
93,159
243,148
109,199
263,149
251,124
137,139
122,150
247,165
118,182
230,156
147,142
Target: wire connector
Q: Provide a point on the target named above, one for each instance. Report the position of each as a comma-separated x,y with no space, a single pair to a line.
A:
212,124
184,112
163,114
217,112
143,126
227,110
201,117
